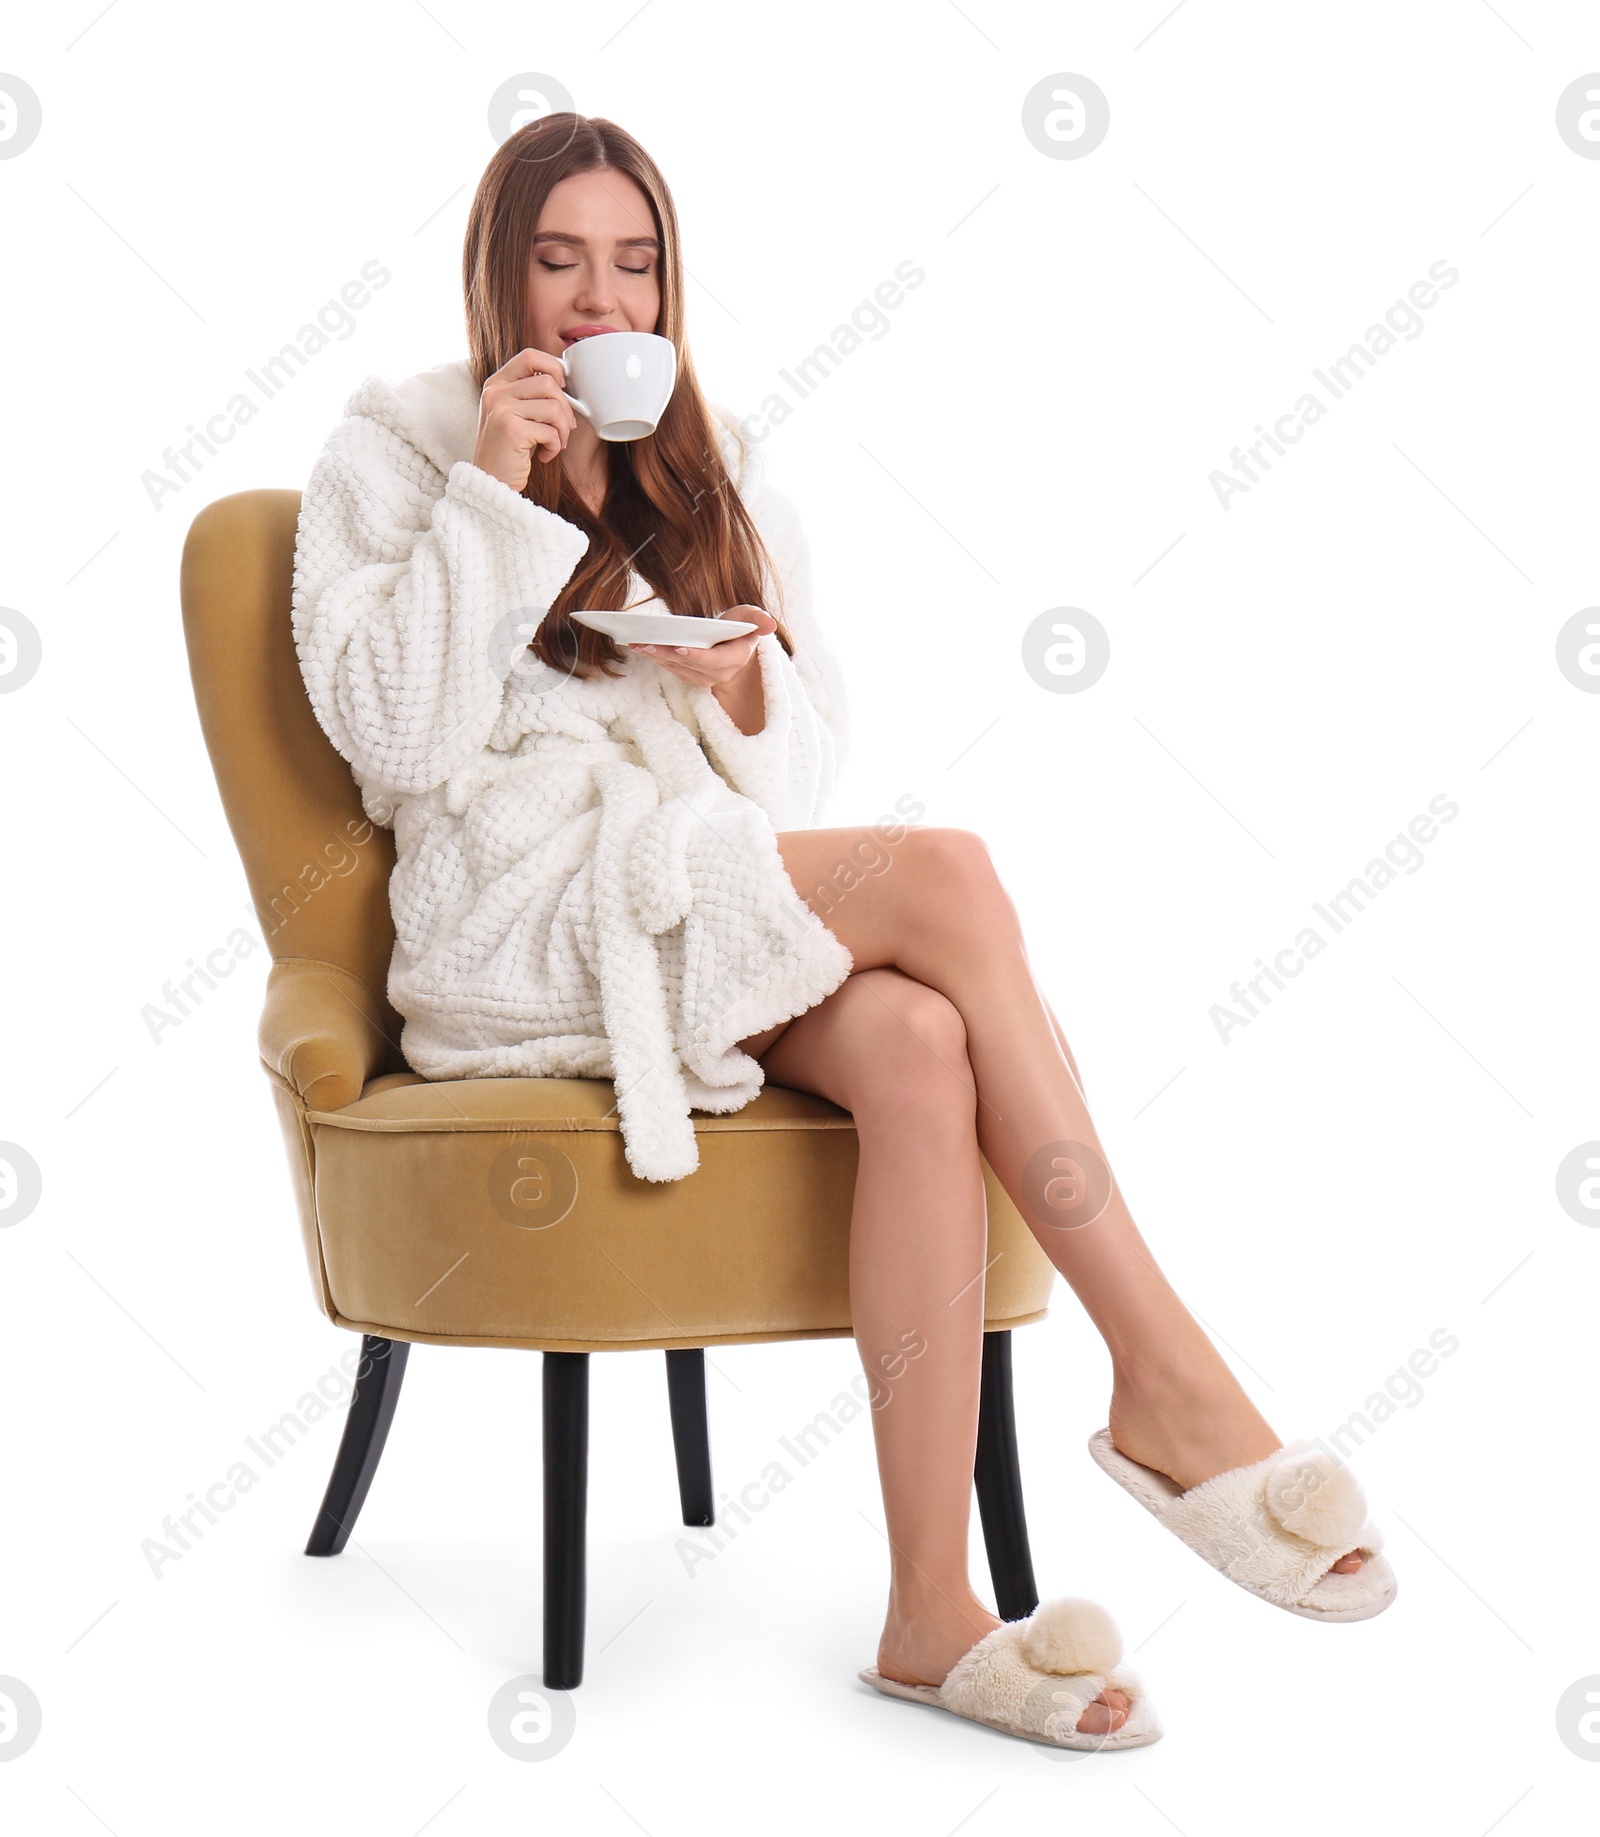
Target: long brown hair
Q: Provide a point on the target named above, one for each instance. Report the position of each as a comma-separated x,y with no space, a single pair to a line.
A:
671,510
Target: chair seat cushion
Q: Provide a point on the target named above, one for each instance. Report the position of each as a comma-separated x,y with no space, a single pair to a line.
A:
502,1212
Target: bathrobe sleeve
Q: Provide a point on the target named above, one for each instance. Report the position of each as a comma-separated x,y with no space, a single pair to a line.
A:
405,602
790,766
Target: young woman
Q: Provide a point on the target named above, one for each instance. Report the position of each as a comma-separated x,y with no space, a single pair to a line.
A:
601,854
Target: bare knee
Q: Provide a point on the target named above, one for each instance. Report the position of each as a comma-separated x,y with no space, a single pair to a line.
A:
952,860
954,882
909,1048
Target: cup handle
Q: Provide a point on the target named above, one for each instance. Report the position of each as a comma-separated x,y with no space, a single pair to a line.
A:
582,407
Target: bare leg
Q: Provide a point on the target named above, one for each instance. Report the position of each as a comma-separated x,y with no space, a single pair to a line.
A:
939,913
885,1047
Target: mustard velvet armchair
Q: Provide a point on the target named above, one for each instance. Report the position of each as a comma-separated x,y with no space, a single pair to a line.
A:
501,1211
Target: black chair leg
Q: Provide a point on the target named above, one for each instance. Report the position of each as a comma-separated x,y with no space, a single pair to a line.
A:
366,1429
691,1434
999,1478
566,1491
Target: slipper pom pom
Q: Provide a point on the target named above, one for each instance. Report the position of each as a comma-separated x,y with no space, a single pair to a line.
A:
1071,1637
1314,1497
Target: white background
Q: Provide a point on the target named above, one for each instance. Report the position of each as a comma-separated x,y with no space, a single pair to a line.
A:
1292,679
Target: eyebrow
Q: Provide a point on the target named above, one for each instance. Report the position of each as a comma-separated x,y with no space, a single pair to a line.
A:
582,242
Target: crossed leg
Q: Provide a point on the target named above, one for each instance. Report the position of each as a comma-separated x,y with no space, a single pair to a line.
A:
937,916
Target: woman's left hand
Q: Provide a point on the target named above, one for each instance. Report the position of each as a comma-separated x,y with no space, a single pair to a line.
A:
719,665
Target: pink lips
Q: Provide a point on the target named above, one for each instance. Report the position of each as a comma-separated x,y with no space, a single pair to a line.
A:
574,332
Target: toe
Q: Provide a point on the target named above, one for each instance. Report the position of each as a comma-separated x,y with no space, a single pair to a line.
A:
1105,1715
1347,1564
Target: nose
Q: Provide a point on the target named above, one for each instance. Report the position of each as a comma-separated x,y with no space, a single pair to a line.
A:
594,294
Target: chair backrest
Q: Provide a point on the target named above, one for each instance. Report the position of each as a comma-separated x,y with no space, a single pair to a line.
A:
318,868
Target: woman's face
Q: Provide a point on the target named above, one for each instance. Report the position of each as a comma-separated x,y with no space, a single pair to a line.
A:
595,262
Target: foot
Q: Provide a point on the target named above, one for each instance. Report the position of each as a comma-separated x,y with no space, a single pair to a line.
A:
922,1648
1193,1431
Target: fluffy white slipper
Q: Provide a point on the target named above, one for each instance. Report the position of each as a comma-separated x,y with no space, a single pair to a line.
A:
1036,1677
1273,1527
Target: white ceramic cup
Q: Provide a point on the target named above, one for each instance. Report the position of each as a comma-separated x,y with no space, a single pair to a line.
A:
624,381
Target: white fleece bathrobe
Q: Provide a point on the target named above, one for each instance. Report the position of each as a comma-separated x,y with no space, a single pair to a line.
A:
587,881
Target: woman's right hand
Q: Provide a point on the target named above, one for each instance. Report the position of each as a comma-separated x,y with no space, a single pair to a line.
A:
521,408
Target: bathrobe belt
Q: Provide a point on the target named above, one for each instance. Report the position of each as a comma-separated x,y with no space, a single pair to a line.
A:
641,887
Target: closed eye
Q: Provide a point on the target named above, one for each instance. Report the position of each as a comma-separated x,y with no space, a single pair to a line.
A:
562,267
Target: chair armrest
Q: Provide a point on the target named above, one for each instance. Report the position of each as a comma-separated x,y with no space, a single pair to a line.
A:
323,1031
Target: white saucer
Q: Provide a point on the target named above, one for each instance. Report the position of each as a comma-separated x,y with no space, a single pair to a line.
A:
663,628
